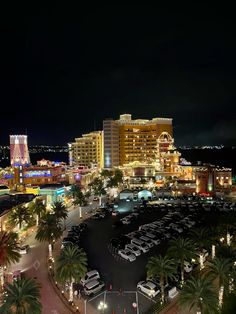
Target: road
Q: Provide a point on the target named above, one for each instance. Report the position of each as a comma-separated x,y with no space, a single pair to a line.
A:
34,265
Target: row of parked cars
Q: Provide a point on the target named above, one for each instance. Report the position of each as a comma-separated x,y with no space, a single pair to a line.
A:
135,243
92,283
74,234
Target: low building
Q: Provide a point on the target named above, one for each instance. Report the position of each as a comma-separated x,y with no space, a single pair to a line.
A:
210,178
4,189
54,193
38,175
7,202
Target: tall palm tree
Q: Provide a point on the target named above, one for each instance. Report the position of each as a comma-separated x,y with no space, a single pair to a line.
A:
162,267
98,188
60,211
19,215
22,297
37,208
182,250
9,251
81,200
198,295
71,266
220,269
201,236
49,230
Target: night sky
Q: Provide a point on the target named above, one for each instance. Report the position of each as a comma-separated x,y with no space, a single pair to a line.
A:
64,70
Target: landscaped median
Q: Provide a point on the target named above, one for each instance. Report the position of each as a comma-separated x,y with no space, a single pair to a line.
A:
74,307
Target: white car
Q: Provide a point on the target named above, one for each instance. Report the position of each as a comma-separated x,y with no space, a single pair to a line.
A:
153,238
89,276
187,267
24,249
125,221
133,249
126,254
178,229
147,240
149,288
131,235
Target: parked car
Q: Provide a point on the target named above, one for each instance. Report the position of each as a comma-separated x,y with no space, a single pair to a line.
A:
140,245
147,240
93,287
152,238
133,249
187,267
24,249
90,275
115,213
125,221
149,288
126,254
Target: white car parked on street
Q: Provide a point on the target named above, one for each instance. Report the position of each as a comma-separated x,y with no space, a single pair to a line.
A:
149,288
133,249
147,240
126,254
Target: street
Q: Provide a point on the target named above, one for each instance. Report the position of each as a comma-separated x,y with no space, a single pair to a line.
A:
34,264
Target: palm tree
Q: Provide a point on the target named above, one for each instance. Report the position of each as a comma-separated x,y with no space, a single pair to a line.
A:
98,188
49,230
9,251
22,297
60,211
162,267
81,200
198,295
74,190
71,266
19,215
220,269
38,208
182,250
201,236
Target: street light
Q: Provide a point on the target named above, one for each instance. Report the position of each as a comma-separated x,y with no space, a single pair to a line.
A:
102,306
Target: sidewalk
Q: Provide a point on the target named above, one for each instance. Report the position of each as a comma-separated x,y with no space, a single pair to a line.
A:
78,305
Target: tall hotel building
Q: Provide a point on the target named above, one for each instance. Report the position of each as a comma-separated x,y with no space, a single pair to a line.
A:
87,150
19,153
127,140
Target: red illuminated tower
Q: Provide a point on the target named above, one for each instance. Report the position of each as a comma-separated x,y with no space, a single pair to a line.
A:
19,153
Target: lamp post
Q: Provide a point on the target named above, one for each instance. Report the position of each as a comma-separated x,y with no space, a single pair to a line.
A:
102,306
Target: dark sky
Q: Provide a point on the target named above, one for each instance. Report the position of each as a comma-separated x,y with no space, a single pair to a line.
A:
64,70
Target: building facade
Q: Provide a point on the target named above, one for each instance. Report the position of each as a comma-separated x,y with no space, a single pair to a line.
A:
19,153
87,150
127,140
210,178
36,175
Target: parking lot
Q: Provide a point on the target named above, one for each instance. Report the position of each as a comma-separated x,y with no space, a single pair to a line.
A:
121,275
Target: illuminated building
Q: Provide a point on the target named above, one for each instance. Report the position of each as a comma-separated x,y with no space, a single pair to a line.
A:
210,178
19,153
111,143
127,140
54,193
87,150
36,175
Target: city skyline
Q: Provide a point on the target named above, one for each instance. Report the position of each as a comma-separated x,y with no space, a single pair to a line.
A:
64,73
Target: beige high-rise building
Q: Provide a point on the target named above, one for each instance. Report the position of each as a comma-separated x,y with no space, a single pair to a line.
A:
87,150
127,140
